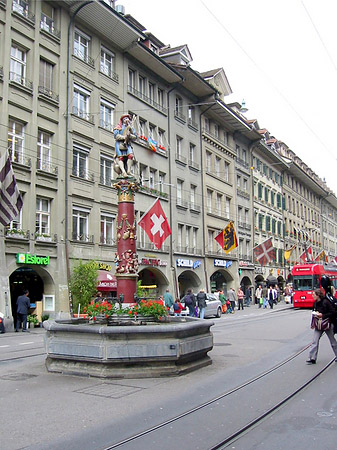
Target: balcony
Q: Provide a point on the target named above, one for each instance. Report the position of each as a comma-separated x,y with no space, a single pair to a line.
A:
243,193
46,166
83,114
107,241
45,238
48,93
20,80
181,159
194,207
179,116
83,174
245,225
152,191
194,165
84,57
151,246
242,162
17,233
47,24
18,158
89,239
141,96
192,124
109,73
180,203
106,125
22,9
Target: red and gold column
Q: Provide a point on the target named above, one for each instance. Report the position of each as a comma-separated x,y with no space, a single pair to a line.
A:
126,259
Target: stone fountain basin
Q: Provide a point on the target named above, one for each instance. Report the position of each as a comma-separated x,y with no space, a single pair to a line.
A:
175,347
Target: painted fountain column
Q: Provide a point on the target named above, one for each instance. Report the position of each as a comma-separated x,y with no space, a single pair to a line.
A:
126,258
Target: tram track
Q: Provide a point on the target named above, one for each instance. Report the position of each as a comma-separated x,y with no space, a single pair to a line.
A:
134,441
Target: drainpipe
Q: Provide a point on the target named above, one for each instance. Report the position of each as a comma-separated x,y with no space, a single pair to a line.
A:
202,194
66,184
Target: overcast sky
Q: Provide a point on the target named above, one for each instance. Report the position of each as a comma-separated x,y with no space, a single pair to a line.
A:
279,56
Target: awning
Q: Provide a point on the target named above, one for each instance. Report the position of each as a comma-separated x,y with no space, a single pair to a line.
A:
106,281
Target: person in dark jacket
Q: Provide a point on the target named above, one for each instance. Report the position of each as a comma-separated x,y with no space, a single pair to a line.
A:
325,310
189,300
201,301
22,308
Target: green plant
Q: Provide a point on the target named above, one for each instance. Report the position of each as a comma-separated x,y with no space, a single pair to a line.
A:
44,317
11,231
83,284
32,318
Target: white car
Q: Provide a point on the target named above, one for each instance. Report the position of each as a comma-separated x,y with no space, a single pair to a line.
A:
213,307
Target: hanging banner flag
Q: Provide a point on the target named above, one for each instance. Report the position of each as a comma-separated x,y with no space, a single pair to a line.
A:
10,197
287,253
265,252
153,144
321,257
155,224
227,238
307,256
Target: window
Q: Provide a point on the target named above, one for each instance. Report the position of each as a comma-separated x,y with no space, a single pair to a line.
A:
47,17
259,191
42,220
219,204
191,115
226,174
107,64
151,92
192,152
16,141
81,100
46,78
206,124
21,7
273,226
216,130
152,177
266,194
179,192
161,136
227,207
179,147
193,195
180,236
178,106
80,224
208,162
260,222
244,155
210,240
18,65
106,173
209,200
217,166
142,85
238,182
152,131
132,79
142,127
194,238
272,197
267,223
107,115
160,94
107,228
81,46
80,162
240,214
245,184
187,237
44,151
278,200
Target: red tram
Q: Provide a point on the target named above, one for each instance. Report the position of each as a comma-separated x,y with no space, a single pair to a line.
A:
307,278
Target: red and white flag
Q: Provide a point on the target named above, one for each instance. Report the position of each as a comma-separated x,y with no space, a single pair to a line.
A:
155,224
265,252
10,198
307,256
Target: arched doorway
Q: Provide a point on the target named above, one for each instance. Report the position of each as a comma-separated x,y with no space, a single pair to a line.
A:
153,277
188,280
259,280
25,278
245,283
219,281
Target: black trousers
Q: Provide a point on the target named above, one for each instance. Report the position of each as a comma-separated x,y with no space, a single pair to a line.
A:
21,318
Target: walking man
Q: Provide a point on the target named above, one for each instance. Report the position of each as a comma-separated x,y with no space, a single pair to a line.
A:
232,298
168,299
258,295
22,308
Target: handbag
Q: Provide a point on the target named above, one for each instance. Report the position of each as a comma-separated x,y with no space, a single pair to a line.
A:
320,324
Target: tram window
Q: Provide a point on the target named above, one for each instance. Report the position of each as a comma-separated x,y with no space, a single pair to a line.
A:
302,283
316,282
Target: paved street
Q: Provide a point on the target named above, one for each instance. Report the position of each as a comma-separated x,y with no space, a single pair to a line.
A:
43,410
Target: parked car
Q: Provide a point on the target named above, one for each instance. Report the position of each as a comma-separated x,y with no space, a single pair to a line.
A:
213,306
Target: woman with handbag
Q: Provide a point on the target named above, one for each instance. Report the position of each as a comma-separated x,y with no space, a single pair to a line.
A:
322,318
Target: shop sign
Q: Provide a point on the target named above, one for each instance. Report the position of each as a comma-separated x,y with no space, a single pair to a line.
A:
222,263
259,270
26,258
196,264
152,262
104,266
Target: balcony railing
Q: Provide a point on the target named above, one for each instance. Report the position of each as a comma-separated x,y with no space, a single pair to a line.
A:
194,207
193,164
83,174
193,124
179,115
109,73
19,79
46,166
18,158
182,203
22,9
48,93
181,158
83,114
107,241
151,246
83,238
242,162
17,233
245,225
47,24
145,98
106,125
45,238
85,58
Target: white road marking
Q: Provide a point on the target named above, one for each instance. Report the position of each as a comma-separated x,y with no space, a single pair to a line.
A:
4,346
26,343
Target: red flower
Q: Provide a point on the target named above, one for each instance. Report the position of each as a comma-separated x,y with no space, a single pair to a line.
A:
130,312
107,316
94,318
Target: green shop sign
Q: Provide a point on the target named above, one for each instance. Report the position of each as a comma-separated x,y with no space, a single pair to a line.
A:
26,258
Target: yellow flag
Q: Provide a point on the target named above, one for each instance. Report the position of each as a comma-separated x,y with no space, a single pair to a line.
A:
287,253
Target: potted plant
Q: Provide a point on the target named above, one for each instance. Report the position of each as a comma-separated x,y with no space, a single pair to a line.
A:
32,320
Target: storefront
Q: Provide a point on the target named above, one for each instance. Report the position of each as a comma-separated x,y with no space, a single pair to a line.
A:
189,273
153,272
221,276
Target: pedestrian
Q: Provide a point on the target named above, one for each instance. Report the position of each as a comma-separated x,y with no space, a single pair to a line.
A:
22,308
190,302
222,299
177,307
98,298
323,309
287,296
201,301
232,298
258,296
241,297
168,299
264,297
271,296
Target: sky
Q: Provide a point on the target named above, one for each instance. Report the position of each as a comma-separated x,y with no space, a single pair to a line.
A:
279,56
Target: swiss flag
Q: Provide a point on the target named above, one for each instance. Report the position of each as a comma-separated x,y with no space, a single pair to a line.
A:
304,258
155,224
